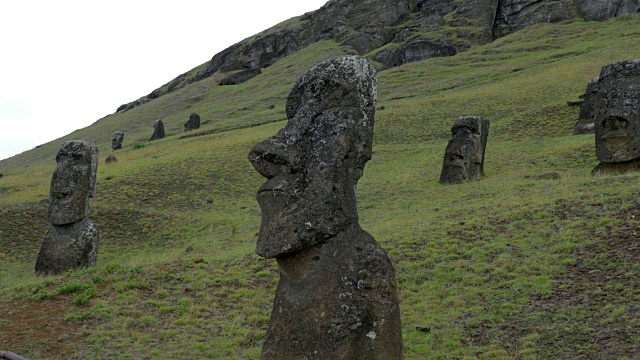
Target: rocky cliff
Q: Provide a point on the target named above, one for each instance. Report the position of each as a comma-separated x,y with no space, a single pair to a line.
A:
395,32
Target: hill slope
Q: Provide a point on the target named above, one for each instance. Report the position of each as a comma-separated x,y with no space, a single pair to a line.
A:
508,267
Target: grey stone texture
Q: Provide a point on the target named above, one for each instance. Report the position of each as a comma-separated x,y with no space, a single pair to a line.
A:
464,156
193,123
116,140
588,109
240,77
336,298
72,240
617,122
158,130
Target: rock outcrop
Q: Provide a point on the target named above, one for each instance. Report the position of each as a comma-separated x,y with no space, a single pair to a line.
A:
395,32
336,298
72,240
240,77
617,122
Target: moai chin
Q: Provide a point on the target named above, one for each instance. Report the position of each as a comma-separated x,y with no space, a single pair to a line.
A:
158,130
464,156
116,140
72,240
617,122
336,298
193,123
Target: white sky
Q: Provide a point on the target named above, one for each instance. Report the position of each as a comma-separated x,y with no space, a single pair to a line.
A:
64,64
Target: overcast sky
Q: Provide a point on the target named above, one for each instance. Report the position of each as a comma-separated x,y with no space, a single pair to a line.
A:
67,63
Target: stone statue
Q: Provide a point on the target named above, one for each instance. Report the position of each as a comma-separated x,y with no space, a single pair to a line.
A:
193,123
158,130
617,121
72,240
464,156
588,109
116,140
336,298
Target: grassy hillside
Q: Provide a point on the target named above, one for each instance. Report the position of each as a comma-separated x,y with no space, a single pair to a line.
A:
506,268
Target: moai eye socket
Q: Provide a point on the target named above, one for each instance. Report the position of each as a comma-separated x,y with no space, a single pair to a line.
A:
615,122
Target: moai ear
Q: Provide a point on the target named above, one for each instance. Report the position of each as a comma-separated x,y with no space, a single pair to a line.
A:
94,170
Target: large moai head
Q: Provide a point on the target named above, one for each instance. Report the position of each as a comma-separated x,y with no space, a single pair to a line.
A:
464,156
73,182
617,121
193,123
116,140
313,164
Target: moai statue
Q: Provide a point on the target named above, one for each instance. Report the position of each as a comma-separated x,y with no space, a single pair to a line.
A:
336,298
72,240
588,109
158,130
464,156
617,122
116,140
193,123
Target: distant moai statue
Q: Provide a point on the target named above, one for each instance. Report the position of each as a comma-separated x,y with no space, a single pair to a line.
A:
336,298
158,130
193,123
116,140
588,109
72,240
110,160
464,156
617,122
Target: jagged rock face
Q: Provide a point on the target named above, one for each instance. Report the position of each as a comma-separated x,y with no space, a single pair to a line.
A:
336,298
514,15
68,247
116,140
368,25
414,51
240,77
72,240
193,123
158,130
605,9
588,109
617,122
73,182
464,156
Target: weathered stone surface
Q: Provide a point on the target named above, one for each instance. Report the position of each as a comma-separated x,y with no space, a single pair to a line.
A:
72,240
240,77
68,247
111,160
588,109
617,123
336,298
605,9
414,51
514,15
158,130
116,140
193,123
464,156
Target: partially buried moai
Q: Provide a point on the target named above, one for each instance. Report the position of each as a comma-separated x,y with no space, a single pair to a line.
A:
464,156
158,130
617,122
336,298
72,240
116,140
193,123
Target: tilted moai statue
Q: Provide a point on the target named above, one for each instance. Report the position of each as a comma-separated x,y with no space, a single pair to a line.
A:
617,122
464,156
158,130
116,140
588,109
193,123
72,240
336,298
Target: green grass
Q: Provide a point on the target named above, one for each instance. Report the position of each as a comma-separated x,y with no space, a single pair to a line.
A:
508,267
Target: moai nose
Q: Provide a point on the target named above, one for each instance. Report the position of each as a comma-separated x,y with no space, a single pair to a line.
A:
272,157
